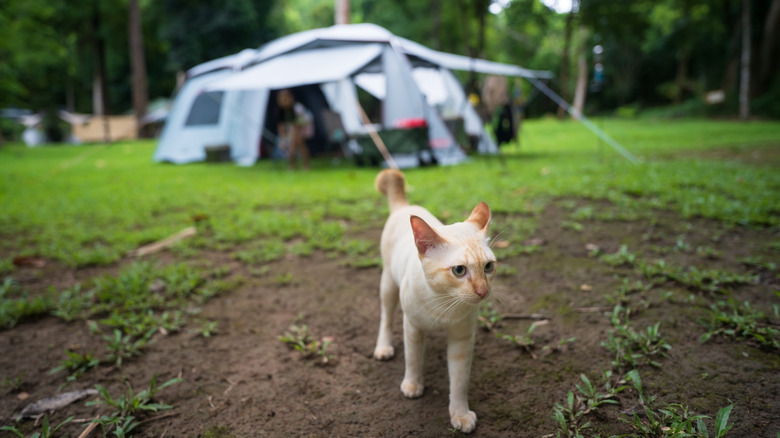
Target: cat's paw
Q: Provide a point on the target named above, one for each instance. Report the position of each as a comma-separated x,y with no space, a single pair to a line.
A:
384,353
464,423
412,389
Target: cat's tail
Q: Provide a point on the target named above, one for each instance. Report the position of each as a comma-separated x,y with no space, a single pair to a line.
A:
390,182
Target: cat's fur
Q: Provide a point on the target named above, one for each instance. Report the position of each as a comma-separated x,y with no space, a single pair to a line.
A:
423,263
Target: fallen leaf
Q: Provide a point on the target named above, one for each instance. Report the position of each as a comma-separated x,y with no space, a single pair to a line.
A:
51,404
29,262
586,287
502,244
23,396
535,242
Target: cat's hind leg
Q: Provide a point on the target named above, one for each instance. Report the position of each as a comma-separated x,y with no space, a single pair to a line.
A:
388,297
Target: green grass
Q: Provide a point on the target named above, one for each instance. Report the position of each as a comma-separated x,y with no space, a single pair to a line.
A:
90,205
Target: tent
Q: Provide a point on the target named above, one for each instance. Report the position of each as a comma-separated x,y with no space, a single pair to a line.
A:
228,102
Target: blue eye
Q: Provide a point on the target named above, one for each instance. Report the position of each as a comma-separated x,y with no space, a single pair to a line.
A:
459,271
489,267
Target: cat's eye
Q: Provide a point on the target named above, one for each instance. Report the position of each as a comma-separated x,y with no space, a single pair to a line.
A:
489,267
459,271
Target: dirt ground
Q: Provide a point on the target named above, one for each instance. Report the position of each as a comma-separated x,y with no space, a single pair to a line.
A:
244,382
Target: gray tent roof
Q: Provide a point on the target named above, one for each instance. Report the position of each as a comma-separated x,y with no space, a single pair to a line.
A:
364,32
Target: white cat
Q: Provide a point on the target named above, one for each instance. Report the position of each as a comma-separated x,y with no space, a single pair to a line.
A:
441,273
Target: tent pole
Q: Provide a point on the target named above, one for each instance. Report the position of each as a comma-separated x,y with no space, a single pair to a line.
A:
584,120
380,145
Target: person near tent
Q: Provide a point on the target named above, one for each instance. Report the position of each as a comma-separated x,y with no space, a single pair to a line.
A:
295,126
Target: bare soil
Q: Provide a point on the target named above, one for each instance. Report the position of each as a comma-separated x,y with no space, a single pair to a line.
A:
244,382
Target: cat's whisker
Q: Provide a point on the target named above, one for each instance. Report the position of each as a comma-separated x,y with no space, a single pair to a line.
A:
498,295
495,239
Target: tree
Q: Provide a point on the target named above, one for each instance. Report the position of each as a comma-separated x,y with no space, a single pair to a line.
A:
138,61
744,76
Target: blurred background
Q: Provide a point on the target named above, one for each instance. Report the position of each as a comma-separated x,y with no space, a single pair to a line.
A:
638,58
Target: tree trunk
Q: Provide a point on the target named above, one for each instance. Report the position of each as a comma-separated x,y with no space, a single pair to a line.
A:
580,91
481,11
436,24
99,86
682,74
769,39
564,76
342,12
138,63
744,77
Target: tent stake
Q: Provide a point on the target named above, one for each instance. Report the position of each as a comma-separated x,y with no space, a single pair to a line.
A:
380,145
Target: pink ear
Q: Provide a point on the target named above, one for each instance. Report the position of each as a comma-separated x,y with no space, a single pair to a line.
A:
480,216
424,236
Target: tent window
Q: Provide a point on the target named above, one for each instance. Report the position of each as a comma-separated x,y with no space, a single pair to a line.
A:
205,109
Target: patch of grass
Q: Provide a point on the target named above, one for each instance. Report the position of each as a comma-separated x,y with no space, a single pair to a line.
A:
47,430
298,338
6,266
630,347
11,384
741,322
16,304
128,407
570,416
671,419
209,328
76,365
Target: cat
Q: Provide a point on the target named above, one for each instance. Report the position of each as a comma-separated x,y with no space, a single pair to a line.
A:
440,274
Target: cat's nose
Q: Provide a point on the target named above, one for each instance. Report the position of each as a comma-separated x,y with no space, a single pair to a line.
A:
481,291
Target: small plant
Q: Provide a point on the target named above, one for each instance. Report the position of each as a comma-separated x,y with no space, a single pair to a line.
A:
298,338
14,309
673,419
209,328
47,431
708,252
570,416
11,384
124,346
128,406
633,347
621,257
77,364
284,279
71,304
740,322
488,316
523,340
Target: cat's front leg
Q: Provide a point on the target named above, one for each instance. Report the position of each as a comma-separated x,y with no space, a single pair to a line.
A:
414,353
459,352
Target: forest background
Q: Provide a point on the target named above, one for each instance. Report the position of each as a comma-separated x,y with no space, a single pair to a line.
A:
658,57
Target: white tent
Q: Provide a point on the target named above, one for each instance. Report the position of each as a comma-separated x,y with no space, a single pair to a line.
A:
225,102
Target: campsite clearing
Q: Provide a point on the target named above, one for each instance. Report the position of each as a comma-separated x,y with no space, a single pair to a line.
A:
668,267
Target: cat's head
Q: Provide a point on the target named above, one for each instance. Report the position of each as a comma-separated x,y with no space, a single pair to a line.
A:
457,259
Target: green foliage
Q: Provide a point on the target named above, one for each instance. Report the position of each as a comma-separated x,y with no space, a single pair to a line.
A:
127,407
209,328
76,364
16,304
632,348
298,338
673,419
47,430
729,319
570,416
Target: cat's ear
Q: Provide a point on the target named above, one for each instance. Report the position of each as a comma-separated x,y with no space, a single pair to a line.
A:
480,216
425,237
